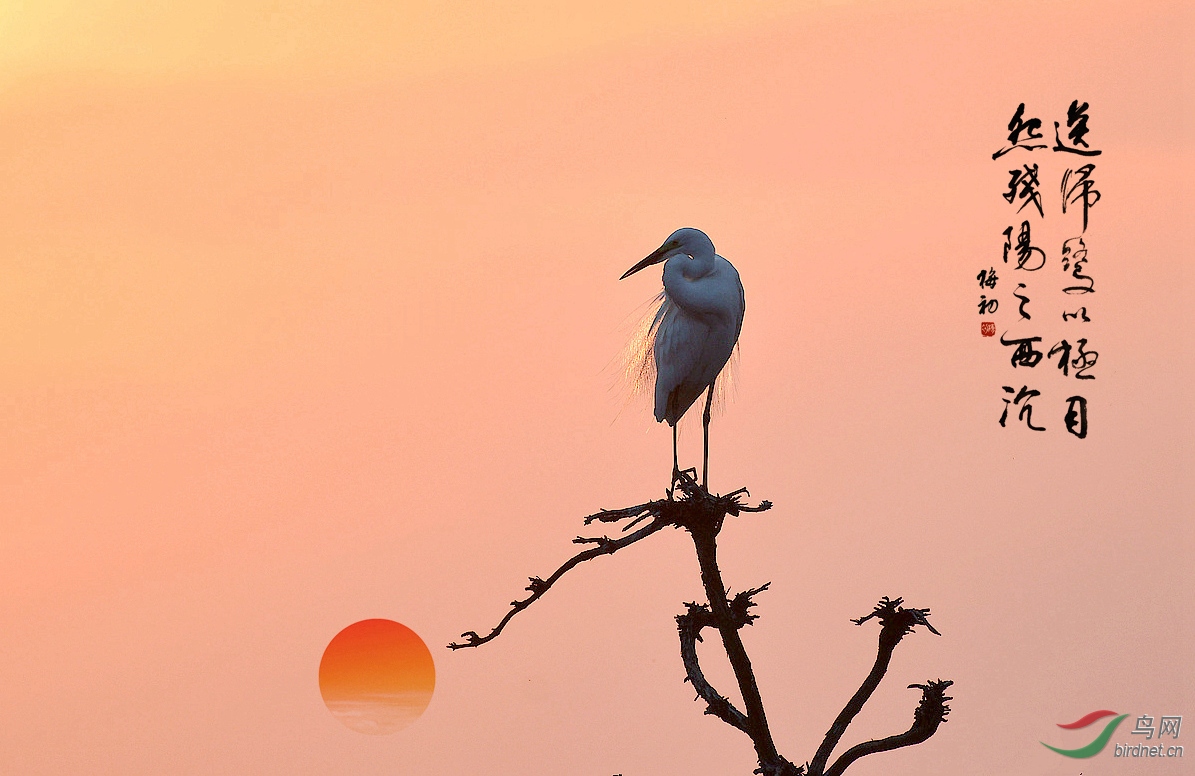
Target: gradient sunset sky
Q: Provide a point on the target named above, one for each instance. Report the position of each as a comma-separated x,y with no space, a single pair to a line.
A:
310,314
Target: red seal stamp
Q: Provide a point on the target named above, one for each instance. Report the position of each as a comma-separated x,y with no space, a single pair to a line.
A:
987,328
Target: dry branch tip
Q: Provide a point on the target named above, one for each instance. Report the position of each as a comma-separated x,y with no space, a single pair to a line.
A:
893,616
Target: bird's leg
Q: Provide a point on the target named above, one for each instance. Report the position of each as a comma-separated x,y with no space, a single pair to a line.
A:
705,421
675,465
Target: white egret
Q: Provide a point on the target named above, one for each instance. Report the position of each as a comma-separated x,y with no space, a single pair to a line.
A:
693,332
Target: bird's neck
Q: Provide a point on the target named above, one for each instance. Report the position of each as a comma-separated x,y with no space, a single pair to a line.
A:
699,266
696,294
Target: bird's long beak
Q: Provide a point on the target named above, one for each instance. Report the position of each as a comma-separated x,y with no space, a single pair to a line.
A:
655,258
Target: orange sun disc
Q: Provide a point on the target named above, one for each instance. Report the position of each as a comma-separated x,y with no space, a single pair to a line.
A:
377,676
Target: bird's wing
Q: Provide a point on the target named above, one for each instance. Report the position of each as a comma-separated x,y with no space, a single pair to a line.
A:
742,308
724,389
679,349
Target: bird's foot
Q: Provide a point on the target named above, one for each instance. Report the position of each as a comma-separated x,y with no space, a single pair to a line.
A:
686,479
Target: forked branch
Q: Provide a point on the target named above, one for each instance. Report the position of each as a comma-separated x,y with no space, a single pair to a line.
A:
689,626
896,623
930,713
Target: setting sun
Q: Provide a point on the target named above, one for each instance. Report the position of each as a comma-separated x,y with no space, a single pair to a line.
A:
377,676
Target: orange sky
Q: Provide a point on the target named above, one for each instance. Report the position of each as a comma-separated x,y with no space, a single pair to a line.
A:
308,317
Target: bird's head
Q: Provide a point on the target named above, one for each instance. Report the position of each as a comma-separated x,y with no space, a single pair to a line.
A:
686,241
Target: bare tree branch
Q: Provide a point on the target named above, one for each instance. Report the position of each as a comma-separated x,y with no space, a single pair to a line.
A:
605,546
896,622
696,503
704,521
689,626
638,512
930,713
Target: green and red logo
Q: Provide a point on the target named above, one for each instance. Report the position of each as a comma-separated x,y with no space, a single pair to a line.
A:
1097,745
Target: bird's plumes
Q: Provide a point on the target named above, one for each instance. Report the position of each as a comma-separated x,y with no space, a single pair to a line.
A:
638,359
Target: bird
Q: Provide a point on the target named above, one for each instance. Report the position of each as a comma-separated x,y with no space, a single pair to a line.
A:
693,332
